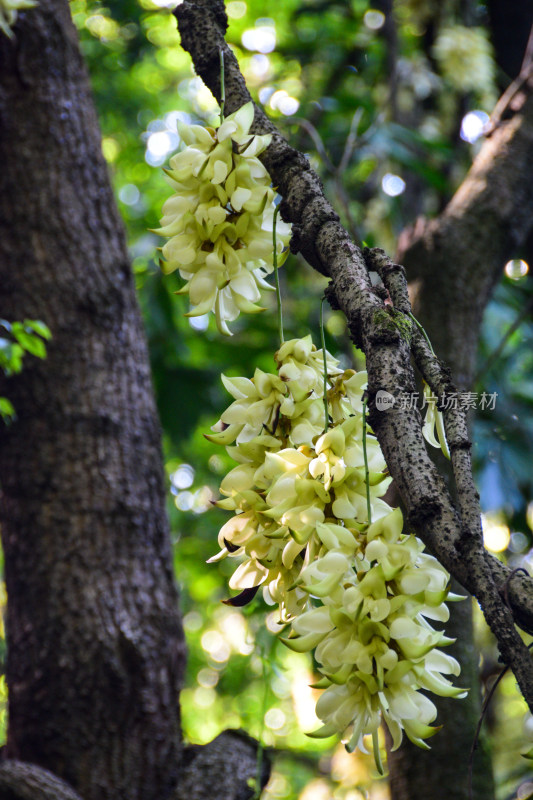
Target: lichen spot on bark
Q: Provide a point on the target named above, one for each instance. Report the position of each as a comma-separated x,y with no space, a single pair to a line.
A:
390,323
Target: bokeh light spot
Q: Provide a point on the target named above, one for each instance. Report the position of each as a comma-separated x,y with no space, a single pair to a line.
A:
129,194
110,149
496,534
374,19
275,719
282,101
392,185
158,146
262,39
199,323
259,65
516,269
236,9
183,477
473,126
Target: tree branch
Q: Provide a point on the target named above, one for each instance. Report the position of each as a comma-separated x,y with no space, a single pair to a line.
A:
481,580
457,258
20,780
383,336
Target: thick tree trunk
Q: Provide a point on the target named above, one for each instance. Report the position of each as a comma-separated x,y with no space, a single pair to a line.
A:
95,645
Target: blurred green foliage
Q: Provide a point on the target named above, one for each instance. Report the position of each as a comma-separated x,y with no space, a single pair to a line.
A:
378,101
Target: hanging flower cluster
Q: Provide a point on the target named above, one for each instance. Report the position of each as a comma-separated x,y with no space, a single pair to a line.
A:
219,220
8,13
311,529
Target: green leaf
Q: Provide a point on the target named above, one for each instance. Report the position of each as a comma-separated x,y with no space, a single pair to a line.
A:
7,412
30,342
11,355
38,327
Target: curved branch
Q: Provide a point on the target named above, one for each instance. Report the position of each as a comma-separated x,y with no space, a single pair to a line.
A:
457,258
318,235
489,214
476,559
20,780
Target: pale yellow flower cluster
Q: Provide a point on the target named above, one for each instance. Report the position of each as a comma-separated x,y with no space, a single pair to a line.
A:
357,590
374,643
8,13
219,220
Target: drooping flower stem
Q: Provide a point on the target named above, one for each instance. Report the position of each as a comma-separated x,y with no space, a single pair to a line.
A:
275,262
222,87
323,343
423,332
365,457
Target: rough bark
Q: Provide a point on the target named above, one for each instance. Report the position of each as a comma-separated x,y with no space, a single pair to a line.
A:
95,645
229,762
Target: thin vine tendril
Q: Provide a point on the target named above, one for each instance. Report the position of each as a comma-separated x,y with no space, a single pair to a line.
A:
278,290
367,474
222,87
323,343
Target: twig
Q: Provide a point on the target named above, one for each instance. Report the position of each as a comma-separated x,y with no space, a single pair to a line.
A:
317,141
337,172
325,363
484,707
222,87
522,80
276,275
350,143
496,353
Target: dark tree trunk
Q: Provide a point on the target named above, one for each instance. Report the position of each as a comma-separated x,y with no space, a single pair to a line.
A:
95,645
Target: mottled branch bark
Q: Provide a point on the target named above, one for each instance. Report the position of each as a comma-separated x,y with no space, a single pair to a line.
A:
481,581
318,235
